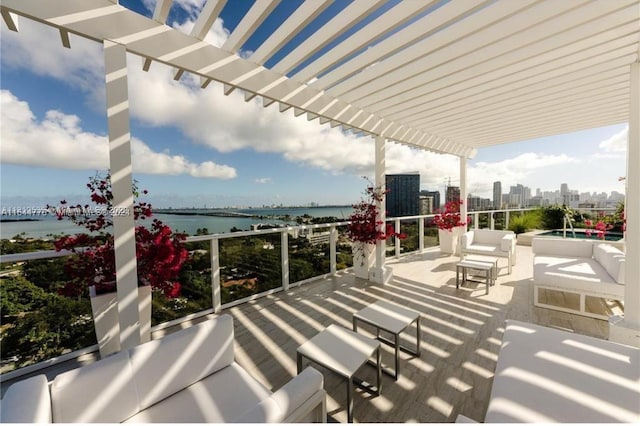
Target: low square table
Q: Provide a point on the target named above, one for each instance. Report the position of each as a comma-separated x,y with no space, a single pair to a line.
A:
485,258
343,352
464,265
393,319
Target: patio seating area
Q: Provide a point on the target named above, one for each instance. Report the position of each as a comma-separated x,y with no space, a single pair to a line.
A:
461,334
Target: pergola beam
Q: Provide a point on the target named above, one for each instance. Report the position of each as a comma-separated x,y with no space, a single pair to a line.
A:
249,23
304,14
349,16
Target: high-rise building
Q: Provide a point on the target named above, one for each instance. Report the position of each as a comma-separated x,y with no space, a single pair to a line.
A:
436,198
426,204
403,194
452,194
497,195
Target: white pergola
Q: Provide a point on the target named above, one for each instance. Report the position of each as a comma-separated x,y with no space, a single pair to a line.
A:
445,76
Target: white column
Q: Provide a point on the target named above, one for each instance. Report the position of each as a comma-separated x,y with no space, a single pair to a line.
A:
463,194
463,189
627,330
380,273
115,63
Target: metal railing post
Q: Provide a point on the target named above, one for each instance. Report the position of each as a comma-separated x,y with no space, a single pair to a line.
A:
284,250
421,233
506,219
333,241
492,222
396,226
216,296
476,220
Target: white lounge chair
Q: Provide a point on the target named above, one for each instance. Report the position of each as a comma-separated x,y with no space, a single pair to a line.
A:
490,242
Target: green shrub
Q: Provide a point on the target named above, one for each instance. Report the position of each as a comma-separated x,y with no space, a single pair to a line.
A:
525,222
553,216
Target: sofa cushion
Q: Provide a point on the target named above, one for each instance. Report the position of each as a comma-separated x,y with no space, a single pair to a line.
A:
102,392
267,411
578,273
489,250
165,366
611,259
547,375
489,236
27,401
562,247
218,398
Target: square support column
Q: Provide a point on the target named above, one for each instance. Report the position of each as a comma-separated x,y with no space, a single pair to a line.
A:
627,329
463,196
380,273
115,62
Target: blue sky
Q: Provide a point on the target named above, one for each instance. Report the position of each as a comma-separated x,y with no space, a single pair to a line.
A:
195,147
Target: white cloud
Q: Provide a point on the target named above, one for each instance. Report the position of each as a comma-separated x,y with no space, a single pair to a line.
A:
190,6
58,141
37,49
514,170
616,143
263,180
209,118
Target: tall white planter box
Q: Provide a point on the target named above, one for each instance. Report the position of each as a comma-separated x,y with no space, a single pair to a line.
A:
449,240
105,319
364,258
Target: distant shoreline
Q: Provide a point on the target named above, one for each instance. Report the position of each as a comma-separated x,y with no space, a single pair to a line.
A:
195,213
19,220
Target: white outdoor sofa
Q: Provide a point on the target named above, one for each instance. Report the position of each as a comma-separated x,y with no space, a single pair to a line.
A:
545,375
490,242
584,267
189,376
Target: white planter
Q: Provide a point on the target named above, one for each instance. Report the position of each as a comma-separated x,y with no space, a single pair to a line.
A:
449,240
364,258
105,319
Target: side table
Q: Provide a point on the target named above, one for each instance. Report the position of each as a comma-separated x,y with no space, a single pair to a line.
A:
343,352
393,319
464,265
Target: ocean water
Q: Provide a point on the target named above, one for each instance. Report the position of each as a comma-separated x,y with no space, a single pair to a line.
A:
44,226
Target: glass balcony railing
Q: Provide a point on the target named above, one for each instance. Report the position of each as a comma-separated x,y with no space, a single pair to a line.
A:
222,270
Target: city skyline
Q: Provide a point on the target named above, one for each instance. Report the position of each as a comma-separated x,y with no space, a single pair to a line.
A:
195,147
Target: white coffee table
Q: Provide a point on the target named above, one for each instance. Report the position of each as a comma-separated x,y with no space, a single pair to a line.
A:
464,266
393,319
343,352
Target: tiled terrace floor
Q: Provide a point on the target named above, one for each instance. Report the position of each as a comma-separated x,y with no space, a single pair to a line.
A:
461,335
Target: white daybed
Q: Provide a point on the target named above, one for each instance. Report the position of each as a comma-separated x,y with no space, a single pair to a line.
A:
545,375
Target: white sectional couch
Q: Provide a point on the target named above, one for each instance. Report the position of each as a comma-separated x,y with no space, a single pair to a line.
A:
490,242
189,376
545,375
584,267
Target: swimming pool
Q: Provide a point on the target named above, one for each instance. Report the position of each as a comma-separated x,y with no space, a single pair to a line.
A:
581,234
